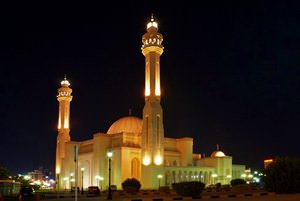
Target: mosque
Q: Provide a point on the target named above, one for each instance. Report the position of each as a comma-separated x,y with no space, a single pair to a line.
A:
138,147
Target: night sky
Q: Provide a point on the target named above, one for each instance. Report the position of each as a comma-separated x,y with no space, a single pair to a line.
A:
229,75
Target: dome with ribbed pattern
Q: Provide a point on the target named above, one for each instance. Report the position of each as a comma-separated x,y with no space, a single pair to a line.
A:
129,124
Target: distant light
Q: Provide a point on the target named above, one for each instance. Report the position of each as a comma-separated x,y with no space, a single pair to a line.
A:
27,177
214,175
268,160
159,176
82,169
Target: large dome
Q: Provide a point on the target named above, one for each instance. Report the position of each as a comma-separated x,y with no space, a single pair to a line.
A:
128,124
217,153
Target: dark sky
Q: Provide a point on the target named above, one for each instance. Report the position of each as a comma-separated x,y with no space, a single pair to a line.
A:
229,74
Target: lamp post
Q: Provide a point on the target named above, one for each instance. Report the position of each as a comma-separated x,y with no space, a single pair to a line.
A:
109,155
214,176
57,185
66,179
82,170
97,177
71,179
101,181
159,177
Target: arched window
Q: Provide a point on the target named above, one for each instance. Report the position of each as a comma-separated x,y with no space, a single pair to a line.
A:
135,168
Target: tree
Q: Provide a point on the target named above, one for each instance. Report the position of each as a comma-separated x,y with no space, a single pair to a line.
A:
188,188
238,181
283,176
4,174
131,185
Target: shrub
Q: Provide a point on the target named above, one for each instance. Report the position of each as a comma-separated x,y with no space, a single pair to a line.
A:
131,185
235,182
192,188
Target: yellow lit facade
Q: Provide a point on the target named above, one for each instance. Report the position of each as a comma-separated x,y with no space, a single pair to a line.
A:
140,149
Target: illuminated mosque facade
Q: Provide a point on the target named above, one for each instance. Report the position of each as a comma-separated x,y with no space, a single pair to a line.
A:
139,146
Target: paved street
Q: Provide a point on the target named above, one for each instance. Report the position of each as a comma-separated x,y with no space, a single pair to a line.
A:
274,197
155,196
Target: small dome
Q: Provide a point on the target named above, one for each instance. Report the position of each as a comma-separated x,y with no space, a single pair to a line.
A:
128,124
217,153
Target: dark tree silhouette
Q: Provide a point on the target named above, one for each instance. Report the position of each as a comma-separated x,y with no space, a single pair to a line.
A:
283,175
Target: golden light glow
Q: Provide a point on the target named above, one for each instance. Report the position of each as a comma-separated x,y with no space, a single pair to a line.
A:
146,160
147,89
152,24
268,160
219,154
158,159
66,124
147,81
57,170
59,123
157,80
65,82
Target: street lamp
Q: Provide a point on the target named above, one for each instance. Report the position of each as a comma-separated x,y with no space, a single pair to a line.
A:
71,179
66,179
97,177
57,182
159,177
109,155
101,181
82,169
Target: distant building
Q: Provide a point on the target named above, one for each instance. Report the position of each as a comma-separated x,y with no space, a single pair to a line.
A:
36,174
140,148
268,162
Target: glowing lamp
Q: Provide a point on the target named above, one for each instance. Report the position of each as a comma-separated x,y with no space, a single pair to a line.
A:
146,160
57,170
109,154
158,160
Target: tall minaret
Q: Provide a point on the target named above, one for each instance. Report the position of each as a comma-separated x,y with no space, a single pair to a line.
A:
64,98
153,130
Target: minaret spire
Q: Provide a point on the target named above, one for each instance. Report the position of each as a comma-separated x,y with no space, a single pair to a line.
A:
152,114
153,130
64,98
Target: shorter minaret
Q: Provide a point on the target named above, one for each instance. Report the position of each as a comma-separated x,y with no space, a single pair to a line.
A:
64,98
